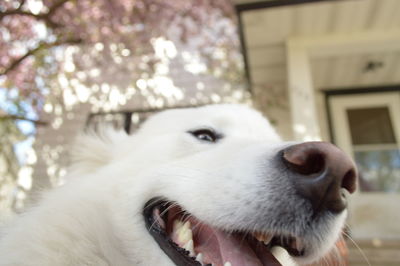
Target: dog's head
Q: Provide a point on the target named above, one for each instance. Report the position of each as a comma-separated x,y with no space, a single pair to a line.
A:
218,186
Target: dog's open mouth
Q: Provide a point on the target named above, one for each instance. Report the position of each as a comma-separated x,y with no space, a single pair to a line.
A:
188,241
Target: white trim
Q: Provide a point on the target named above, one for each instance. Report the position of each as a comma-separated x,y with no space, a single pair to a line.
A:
375,147
349,43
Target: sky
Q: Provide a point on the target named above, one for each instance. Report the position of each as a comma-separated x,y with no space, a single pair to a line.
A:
26,127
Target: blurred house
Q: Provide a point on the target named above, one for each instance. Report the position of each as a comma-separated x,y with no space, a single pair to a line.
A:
330,70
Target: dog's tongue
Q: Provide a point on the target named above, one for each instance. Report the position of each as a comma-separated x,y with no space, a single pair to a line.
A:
219,247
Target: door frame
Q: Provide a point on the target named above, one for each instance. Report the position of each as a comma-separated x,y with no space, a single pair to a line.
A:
329,93
371,214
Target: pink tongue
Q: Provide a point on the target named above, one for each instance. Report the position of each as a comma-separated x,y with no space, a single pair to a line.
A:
219,247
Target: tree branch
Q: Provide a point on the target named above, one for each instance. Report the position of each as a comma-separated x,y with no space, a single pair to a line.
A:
17,117
18,12
42,45
44,16
21,4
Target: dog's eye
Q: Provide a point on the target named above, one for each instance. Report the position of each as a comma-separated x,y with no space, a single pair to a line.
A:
205,135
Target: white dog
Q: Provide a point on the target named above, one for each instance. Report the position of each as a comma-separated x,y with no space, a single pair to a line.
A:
209,185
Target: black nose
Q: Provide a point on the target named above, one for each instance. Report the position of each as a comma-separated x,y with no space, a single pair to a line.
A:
320,172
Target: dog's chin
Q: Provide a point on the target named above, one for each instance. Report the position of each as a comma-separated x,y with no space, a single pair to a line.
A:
189,241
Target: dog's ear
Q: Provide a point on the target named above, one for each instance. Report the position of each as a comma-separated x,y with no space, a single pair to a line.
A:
95,148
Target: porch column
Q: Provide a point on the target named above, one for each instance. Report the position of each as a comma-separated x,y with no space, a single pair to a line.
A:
301,94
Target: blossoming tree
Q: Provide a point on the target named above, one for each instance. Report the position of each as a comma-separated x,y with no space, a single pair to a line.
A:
51,49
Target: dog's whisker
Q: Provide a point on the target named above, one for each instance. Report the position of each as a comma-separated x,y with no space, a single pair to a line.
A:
358,248
151,202
173,204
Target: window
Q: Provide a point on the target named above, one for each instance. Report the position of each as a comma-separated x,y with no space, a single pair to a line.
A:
375,148
367,126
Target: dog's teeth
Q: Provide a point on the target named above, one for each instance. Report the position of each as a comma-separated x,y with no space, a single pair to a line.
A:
186,225
227,263
265,238
189,247
185,235
199,258
182,233
177,225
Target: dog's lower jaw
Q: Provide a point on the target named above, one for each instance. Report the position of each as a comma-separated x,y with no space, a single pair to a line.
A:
188,241
178,245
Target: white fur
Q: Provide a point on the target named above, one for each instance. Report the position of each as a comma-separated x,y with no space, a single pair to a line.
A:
96,217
